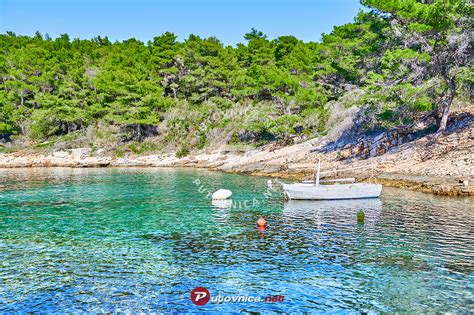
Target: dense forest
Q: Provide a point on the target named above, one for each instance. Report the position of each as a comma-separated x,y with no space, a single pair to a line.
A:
398,60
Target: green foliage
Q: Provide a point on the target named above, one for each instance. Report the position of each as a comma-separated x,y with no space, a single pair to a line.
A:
56,121
184,151
142,147
423,15
7,120
427,52
51,88
393,59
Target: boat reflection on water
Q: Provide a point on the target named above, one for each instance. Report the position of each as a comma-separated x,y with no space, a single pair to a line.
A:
334,211
222,204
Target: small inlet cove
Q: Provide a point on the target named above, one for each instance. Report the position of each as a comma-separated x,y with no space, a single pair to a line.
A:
143,239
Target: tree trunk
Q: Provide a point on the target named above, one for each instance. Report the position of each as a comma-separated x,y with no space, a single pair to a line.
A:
446,107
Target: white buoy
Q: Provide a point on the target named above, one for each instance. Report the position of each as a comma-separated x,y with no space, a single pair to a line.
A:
269,182
221,194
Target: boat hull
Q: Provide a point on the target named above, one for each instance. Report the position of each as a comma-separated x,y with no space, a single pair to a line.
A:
332,192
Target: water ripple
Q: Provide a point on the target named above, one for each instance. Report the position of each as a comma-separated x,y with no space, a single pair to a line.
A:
139,240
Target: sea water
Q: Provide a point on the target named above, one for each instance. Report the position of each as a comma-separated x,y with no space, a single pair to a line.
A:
141,239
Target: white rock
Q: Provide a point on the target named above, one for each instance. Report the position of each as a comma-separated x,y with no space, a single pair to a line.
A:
221,194
79,153
61,154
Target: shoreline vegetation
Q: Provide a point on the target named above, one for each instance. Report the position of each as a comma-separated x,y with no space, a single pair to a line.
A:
444,168
394,86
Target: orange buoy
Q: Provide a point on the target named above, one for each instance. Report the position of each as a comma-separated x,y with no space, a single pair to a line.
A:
261,222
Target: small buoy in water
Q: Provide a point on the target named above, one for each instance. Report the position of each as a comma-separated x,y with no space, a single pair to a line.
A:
261,222
221,194
269,182
360,216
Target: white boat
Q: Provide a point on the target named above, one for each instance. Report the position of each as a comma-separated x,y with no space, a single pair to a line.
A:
313,190
303,191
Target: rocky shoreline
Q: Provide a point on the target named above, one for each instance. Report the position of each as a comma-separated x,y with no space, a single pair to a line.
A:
401,158
446,172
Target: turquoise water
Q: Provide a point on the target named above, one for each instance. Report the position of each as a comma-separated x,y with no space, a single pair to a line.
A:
131,240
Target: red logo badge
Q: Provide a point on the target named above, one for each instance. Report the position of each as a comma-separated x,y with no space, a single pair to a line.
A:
200,296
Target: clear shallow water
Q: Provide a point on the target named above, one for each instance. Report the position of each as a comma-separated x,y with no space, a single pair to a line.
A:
111,240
